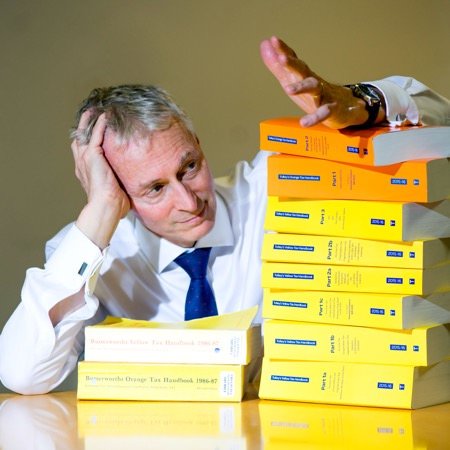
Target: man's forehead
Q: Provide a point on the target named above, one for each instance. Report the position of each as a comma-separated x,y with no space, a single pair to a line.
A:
144,138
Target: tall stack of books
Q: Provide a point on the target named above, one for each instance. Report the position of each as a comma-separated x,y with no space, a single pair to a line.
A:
356,265
209,359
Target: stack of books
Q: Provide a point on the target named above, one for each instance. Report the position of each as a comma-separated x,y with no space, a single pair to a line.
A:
356,265
209,359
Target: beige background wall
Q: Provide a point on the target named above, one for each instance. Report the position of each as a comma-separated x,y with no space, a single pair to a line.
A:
203,51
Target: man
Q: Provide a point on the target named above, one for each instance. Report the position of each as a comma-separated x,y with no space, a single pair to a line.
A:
150,197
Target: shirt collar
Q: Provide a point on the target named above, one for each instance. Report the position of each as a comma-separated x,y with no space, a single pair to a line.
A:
160,252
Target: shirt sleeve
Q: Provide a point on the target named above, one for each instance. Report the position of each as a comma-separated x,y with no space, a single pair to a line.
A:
35,357
409,101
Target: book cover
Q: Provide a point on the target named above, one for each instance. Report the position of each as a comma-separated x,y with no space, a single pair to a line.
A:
388,386
308,341
391,311
377,146
175,382
384,221
224,339
422,181
317,249
323,277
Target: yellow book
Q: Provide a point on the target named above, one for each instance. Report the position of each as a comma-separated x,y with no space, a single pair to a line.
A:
224,339
336,426
389,386
175,382
291,340
315,249
322,277
393,311
384,221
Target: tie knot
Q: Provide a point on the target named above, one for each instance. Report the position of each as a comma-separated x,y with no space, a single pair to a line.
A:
195,263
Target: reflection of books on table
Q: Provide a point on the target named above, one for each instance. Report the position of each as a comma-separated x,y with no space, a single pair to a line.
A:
389,386
225,339
99,418
170,425
392,311
377,146
294,425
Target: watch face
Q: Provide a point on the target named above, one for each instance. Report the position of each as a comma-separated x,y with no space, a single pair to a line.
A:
367,93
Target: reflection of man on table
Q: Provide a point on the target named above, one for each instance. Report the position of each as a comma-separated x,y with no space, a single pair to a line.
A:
151,197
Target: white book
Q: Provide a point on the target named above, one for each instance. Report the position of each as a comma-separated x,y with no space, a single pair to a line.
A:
225,339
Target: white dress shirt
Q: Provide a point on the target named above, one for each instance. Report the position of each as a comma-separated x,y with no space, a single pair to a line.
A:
135,276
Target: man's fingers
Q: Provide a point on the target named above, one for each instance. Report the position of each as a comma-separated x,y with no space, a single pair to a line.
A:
319,115
98,131
309,85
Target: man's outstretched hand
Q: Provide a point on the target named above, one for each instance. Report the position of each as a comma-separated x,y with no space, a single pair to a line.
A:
323,102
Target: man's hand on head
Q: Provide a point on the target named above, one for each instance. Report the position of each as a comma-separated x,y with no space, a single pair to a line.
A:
107,202
323,102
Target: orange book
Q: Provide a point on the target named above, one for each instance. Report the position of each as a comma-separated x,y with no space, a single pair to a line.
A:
424,181
377,146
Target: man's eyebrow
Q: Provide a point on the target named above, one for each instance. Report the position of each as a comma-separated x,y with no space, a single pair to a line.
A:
190,154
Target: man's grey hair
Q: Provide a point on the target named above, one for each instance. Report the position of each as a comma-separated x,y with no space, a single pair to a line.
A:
130,110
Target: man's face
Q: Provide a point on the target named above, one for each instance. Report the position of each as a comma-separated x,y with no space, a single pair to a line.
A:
167,178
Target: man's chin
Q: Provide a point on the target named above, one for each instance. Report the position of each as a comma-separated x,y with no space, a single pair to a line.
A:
188,238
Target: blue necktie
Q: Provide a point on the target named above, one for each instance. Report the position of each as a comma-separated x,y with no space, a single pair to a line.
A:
200,300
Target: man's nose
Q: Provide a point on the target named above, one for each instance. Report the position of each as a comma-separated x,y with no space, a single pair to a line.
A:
185,197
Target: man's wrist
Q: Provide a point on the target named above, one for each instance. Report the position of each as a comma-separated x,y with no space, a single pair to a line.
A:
369,98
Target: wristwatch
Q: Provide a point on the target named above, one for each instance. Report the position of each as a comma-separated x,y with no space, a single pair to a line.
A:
372,99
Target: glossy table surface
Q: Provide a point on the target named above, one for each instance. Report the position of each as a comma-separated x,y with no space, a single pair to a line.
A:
59,421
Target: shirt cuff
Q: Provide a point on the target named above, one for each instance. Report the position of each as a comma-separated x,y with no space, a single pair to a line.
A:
76,261
400,107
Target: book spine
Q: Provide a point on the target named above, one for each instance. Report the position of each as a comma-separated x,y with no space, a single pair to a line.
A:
316,249
340,383
391,311
321,277
178,382
315,342
344,308
286,136
296,176
348,218
158,345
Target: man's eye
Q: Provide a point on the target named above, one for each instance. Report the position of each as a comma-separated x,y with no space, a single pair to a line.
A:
192,165
156,189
